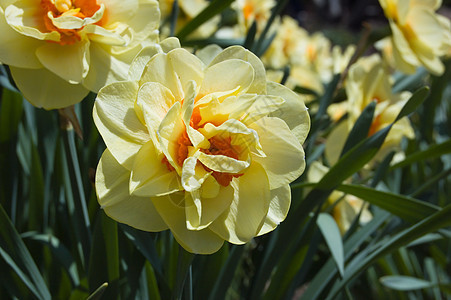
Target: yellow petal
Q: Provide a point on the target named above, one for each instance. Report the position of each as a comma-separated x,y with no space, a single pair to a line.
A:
208,53
149,176
51,92
112,191
174,70
284,161
106,68
336,141
193,174
258,85
72,22
98,34
244,218
140,61
278,208
154,101
171,128
16,49
293,110
70,62
227,75
195,241
116,120
201,212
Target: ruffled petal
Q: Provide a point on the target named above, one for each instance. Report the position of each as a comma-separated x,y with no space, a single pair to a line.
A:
17,49
293,111
258,85
150,176
278,208
113,194
50,92
227,75
70,62
116,120
245,217
202,211
196,241
284,161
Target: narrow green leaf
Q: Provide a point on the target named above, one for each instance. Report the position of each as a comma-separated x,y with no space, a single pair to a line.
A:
430,224
325,275
16,255
433,151
60,252
417,98
215,7
409,209
97,294
227,273
405,283
10,113
361,127
250,37
185,259
332,236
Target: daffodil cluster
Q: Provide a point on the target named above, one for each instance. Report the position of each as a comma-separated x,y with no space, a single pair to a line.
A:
204,148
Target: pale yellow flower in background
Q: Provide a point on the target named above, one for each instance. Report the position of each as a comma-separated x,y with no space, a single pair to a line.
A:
368,81
345,207
285,49
188,9
59,50
206,148
419,35
249,11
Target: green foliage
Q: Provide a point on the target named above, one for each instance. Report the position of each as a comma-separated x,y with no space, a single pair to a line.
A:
56,242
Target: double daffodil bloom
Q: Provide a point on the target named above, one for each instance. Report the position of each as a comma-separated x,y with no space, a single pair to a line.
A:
59,50
205,149
368,81
419,35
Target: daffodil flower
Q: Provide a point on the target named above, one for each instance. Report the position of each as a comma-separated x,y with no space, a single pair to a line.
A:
419,35
59,50
205,149
369,81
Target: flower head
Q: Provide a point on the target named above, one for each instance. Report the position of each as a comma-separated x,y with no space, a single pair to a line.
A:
419,35
207,151
369,81
72,46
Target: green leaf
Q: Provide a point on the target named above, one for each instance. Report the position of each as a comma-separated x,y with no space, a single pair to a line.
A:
215,7
409,209
16,255
60,252
361,262
10,114
332,235
329,270
361,127
227,273
433,151
97,294
405,283
416,100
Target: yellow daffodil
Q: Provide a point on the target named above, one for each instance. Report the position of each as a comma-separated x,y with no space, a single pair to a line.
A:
205,149
419,35
345,207
253,10
59,50
368,81
286,47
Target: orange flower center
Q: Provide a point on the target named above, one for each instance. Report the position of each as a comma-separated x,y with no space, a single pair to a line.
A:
77,8
375,125
218,146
